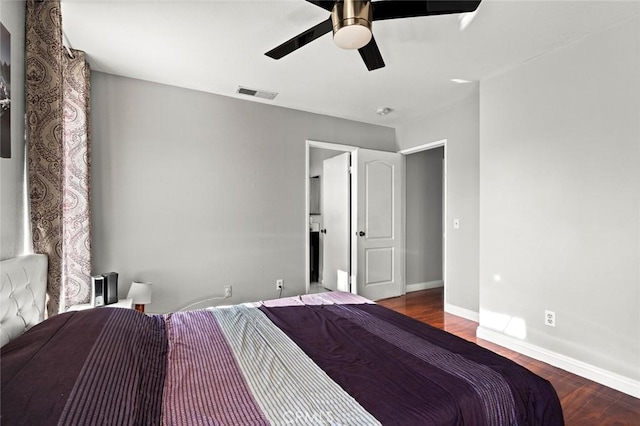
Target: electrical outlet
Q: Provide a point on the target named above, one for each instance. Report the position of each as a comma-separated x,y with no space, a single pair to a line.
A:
227,291
550,318
279,284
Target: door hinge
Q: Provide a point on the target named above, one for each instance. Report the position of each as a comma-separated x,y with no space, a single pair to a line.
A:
350,169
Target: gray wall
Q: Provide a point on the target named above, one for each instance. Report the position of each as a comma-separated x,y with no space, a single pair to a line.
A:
559,200
194,191
424,216
460,126
12,200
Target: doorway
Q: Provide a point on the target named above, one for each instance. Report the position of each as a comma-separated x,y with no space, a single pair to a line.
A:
425,216
329,223
376,268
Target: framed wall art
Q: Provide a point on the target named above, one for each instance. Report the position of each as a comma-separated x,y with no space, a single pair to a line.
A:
5,92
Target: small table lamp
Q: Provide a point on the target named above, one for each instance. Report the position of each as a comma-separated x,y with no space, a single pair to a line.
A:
141,295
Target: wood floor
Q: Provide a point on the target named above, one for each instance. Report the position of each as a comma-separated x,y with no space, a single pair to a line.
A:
584,403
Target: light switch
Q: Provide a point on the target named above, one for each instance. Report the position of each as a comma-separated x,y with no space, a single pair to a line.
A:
456,223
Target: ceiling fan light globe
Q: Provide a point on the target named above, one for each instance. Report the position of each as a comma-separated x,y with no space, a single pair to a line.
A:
352,37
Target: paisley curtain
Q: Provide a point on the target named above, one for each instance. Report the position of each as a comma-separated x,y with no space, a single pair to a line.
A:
58,144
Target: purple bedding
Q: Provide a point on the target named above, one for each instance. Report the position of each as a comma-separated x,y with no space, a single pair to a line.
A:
408,373
295,362
101,366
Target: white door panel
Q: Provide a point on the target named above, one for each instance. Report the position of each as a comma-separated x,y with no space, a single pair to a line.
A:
336,222
379,255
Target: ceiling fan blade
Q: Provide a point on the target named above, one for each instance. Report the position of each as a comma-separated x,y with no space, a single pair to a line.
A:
394,9
300,40
325,4
371,55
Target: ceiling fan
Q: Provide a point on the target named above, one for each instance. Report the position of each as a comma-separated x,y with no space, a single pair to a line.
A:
351,21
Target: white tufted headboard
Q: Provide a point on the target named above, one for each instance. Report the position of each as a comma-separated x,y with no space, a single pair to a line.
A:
22,294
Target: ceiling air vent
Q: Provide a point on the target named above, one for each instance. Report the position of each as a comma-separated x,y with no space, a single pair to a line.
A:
256,93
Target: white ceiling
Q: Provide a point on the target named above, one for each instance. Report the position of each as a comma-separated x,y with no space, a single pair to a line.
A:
216,46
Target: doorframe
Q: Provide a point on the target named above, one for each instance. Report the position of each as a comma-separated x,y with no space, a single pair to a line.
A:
322,145
414,150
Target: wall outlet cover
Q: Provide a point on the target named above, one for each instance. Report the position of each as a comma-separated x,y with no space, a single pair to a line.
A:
550,318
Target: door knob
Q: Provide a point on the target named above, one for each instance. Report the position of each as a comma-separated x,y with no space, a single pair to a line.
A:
323,231
361,233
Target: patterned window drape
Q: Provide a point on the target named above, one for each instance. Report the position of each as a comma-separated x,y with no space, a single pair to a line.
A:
58,144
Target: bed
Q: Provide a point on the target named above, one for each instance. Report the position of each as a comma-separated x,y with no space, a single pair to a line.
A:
23,284
332,358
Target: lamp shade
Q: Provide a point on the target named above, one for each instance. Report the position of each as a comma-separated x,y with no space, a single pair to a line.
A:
140,293
352,37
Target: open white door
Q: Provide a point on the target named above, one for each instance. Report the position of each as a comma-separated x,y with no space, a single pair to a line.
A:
377,179
336,222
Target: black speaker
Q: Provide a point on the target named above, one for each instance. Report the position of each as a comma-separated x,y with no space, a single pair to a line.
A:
97,290
110,288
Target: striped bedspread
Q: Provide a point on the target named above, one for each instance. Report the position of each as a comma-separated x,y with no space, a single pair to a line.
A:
332,359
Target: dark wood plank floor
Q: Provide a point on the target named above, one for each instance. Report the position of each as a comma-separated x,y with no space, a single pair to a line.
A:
584,403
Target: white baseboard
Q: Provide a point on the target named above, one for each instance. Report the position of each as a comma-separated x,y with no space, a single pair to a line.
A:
424,286
588,371
461,312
